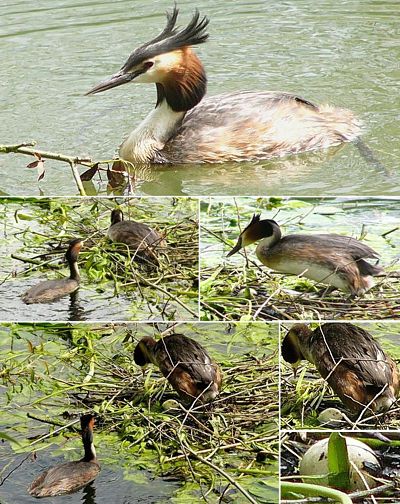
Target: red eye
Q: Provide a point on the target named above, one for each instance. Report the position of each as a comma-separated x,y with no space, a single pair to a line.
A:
148,64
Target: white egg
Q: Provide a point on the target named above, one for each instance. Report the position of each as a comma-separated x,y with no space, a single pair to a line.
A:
330,415
315,462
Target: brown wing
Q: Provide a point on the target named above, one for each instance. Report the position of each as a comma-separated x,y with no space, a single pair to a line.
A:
343,252
64,478
357,351
350,388
328,243
134,234
256,125
185,363
50,290
139,237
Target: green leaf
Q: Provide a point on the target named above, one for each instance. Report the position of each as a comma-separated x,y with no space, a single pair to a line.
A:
338,462
5,436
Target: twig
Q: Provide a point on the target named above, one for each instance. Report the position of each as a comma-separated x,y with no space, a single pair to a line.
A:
25,148
224,474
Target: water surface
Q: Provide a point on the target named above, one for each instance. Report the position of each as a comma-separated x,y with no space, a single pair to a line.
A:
345,54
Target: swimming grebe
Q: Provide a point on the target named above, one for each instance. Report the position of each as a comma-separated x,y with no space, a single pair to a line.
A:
51,290
331,259
185,363
352,362
70,476
185,128
139,237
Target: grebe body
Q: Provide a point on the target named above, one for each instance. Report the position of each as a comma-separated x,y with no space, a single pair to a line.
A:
185,363
331,259
353,363
139,237
187,127
71,476
52,290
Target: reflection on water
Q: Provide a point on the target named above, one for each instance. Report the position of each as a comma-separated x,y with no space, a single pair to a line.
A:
89,494
76,310
341,54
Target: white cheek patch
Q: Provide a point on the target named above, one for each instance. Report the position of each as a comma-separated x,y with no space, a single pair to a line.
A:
162,65
145,78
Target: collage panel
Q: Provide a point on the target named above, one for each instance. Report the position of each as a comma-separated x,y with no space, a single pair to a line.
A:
184,412
106,259
345,467
340,375
312,258
199,252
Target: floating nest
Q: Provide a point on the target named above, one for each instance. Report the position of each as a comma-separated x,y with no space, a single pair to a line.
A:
243,415
304,399
231,294
232,441
163,287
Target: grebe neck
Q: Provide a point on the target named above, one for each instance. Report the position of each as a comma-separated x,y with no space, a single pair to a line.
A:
271,240
87,440
151,135
74,271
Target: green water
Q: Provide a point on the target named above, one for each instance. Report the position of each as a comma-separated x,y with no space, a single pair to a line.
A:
343,53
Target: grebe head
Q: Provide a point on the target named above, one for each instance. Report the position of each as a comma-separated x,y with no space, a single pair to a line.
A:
143,353
74,248
168,61
116,216
294,343
87,424
257,230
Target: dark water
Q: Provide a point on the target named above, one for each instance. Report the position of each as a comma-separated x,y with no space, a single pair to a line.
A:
342,53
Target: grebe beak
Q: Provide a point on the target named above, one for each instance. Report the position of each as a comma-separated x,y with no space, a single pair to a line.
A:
115,80
236,248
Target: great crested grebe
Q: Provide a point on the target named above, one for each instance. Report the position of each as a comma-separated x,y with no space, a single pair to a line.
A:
139,237
242,126
70,476
51,290
185,363
352,362
331,259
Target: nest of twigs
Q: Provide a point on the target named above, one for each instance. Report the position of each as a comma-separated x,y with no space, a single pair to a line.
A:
160,285
261,295
301,403
214,444
244,414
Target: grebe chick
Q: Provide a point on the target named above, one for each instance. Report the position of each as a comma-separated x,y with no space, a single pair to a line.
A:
52,290
185,127
331,259
70,476
185,363
352,362
139,237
